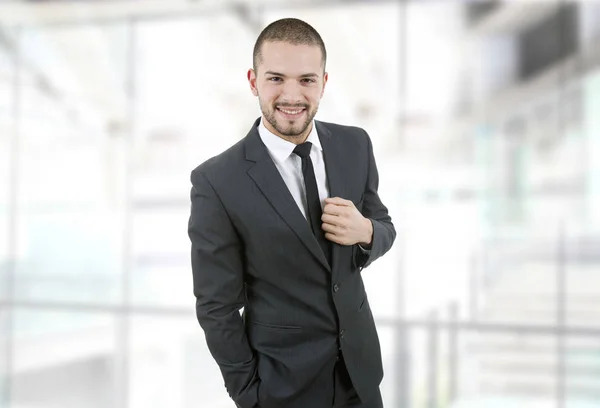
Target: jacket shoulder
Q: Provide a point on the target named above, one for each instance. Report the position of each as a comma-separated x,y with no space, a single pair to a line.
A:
345,130
221,165
352,136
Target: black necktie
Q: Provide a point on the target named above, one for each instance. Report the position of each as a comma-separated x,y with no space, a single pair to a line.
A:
312,198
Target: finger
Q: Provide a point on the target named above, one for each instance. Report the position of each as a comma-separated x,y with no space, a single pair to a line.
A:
340,223
333,209
332,238
331,219
330,228
338,201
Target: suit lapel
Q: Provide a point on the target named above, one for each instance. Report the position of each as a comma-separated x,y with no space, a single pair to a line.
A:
269,181
333,167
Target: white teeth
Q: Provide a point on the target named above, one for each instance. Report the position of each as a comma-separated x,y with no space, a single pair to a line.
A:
290,112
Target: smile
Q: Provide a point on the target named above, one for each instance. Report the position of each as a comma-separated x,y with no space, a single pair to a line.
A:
289,111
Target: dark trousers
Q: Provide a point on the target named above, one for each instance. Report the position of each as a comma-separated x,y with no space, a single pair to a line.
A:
344,394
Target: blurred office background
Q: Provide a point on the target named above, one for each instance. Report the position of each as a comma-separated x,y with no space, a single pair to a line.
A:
485,118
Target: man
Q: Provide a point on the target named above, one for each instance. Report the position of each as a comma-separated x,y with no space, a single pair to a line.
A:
282,224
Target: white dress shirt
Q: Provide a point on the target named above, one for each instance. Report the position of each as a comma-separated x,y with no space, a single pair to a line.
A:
289,164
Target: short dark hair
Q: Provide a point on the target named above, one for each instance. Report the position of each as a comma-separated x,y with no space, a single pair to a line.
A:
291,30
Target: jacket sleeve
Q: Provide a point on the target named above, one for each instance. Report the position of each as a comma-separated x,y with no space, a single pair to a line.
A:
384,232
217,269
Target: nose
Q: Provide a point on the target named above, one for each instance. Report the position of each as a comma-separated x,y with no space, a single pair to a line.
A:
291,93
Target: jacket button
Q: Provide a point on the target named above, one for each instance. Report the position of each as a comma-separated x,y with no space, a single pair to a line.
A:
342,334
336,287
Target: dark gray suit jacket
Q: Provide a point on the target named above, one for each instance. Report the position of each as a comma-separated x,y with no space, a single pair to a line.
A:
253,248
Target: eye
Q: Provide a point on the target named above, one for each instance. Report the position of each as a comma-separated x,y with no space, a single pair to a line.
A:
274,79
308,80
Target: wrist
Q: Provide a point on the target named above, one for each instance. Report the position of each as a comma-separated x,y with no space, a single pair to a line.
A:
368,238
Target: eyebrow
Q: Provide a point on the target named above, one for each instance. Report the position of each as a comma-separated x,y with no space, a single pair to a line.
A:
311,75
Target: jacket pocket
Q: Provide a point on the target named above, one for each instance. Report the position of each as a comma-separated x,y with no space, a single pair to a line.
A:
279,327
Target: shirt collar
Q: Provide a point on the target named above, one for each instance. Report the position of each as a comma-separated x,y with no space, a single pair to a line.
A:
280,148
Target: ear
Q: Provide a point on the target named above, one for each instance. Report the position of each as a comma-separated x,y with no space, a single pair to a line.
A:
252,81
325,78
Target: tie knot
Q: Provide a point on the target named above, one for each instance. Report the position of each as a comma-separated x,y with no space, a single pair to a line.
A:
303,150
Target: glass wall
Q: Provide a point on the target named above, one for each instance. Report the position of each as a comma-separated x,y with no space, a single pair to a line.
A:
67,250
7,79
184,111
71,163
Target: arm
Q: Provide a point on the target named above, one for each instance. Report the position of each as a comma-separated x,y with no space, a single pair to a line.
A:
373,209
217,269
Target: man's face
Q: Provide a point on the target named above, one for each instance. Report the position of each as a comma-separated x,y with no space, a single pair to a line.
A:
289,82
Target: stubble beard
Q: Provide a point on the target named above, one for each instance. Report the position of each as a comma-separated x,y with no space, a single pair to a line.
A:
289,129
